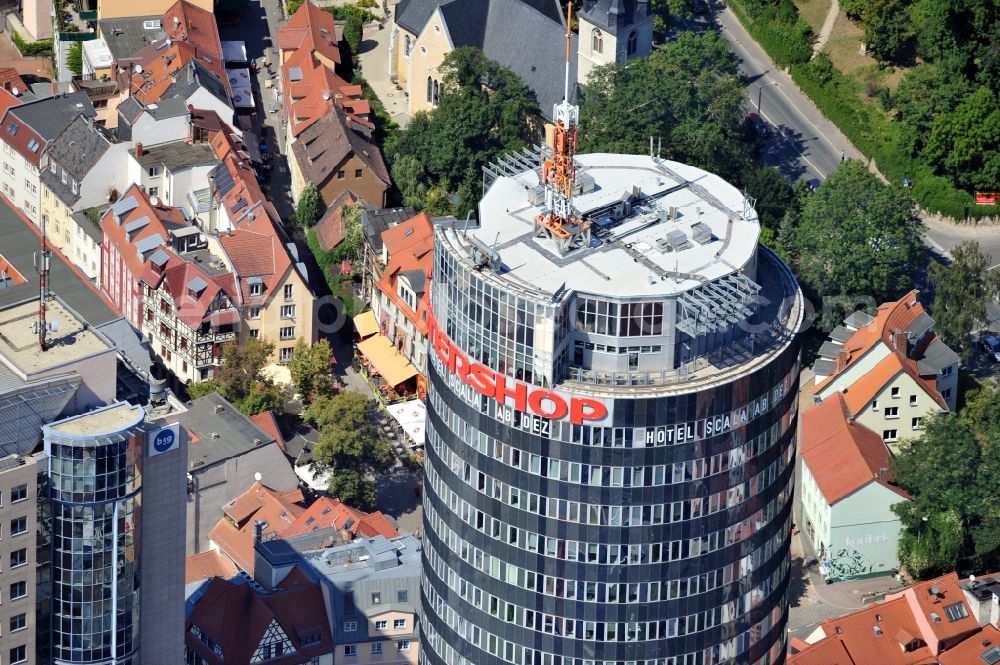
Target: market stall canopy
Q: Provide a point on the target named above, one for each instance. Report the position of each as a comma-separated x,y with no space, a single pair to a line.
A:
391,365
410,416
365,324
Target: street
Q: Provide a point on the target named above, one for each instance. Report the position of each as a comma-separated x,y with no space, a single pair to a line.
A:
806,145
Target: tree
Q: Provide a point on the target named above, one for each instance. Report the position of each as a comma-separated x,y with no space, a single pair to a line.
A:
310,369
309,207
350,447
925,92
74,58
353,34
963,144
686,95
962,290
889,32
484,110
855,236
775,195
241,378
953,518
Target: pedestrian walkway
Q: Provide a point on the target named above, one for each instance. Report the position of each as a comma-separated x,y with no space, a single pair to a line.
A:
827,29
374,58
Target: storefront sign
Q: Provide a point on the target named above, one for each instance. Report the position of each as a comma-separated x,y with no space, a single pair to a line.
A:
506,391
164,439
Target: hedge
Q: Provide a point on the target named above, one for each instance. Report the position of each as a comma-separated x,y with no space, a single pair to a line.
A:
31,49
785,43
838,98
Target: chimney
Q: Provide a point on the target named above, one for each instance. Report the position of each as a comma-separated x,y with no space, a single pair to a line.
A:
257,442
900,341
218,407
841,360
883,474
215,435
138,150
258,531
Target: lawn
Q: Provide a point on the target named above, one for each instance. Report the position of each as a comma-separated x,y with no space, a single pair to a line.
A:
845,49
813,12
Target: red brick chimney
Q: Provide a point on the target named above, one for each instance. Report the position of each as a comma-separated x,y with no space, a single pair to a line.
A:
138,150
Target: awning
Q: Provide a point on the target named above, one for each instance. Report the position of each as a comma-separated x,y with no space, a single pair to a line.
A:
410,416
365,324
393,367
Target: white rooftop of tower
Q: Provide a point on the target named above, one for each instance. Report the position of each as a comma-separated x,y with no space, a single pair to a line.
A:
646,252
72,340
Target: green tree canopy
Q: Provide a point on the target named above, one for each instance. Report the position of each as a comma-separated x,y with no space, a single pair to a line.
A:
962,290
686,94
310,369
74,59
241,378
854,236
310,206
953,519
350,448
964,143
484,110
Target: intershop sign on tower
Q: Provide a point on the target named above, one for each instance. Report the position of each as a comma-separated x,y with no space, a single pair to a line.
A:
504,389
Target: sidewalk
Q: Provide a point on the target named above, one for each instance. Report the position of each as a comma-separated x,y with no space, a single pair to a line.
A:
374,59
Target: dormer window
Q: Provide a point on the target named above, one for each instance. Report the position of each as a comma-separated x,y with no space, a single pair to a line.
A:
255,287
408,297
53,167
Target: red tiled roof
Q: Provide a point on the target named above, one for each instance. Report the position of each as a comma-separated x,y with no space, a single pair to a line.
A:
236,617
327,512
972,650
234,533
266,422
8,271
310,28
842,455
193,309
162,219
330,227
408,254
890,318
161,64
203,565
862,643
939,633
189,23
10,79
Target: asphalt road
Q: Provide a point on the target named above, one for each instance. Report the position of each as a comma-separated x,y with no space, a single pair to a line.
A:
805,145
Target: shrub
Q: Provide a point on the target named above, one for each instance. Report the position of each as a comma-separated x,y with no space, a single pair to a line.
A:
31,49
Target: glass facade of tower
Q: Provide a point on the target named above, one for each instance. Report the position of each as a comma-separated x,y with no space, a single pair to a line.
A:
590,501
91,532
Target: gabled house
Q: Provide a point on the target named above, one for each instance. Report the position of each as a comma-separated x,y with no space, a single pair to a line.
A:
238,622
132,229
310,30
528,36
374,222
85,170
847,496
28,128
226,452
171,171
335,154
162,122
185,21
891,369
402,294
191,309
921,625
260,513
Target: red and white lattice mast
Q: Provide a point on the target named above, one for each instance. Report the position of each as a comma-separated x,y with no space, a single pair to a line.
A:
42,260
558,221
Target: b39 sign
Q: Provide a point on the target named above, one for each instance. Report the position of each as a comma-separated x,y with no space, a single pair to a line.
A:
164,439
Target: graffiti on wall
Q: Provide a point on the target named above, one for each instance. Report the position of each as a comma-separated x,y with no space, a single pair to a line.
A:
844,563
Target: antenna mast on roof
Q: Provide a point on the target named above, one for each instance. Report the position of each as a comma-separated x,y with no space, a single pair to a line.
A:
557,221
42,260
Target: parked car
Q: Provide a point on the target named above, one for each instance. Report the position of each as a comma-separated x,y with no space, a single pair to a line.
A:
757,125
992,347
813,184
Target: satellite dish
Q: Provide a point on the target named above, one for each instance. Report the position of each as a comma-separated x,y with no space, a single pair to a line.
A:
154,201
169,41
138,69
14,91
257,476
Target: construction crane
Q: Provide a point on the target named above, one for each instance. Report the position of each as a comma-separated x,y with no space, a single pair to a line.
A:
557,220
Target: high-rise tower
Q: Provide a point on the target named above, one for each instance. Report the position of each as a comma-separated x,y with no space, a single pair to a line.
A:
611,423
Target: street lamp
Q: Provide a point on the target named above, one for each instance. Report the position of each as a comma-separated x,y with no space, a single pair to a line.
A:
921,531
760,92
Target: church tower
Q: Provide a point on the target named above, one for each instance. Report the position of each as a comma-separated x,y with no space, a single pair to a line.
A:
612,31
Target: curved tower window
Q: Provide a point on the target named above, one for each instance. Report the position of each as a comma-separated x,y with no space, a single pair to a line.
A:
633,43
596,41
